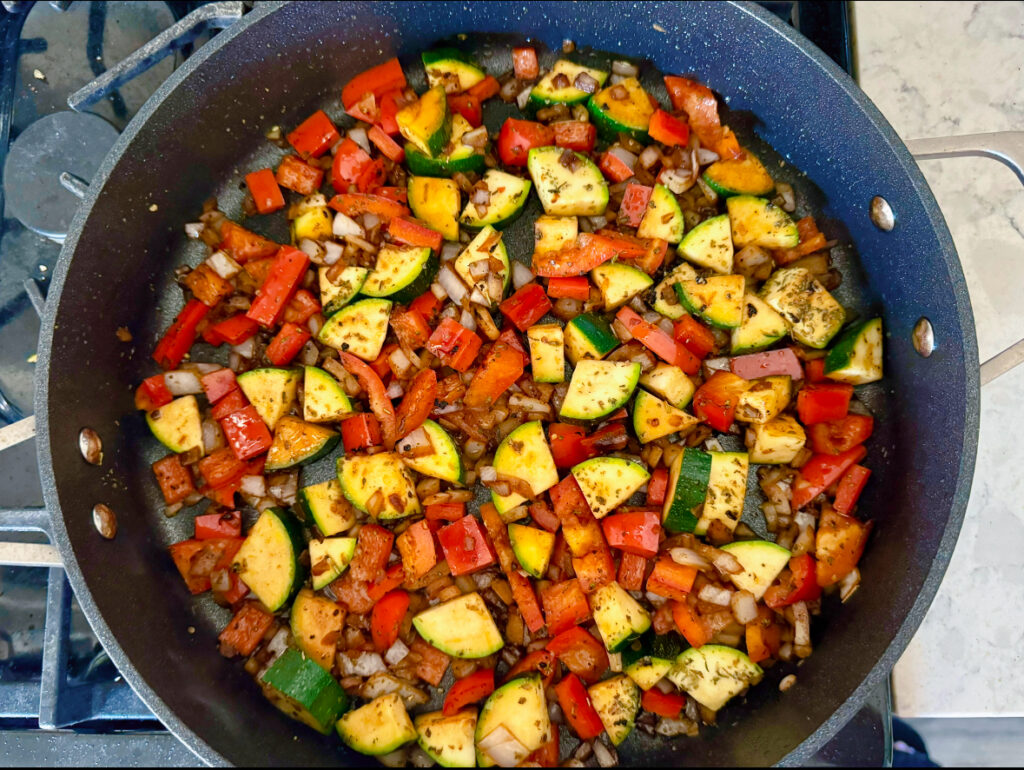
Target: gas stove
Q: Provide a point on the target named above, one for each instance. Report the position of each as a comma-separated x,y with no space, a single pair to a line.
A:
63,101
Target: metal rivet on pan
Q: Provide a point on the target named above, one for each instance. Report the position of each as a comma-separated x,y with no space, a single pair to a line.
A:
924,337
104,520
881,214
90,445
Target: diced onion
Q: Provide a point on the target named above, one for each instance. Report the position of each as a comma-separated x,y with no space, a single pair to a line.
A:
220,580
478,298
689,558
246,349
849,584
182,383
213,437
744,607
666,326
311,249
621,331
523,97
521,275
625,156
285,491
598,222
487,473
332,252
717,364
519,402
676,180
467,319
438,291
726,563
615,661
368,663
453,285
503,748
450,251
256,486
672,727
396,758
223,265
344,225
705,188
315,324
396,652
370,221
400,361
358,135
706,156
712,594
801,625
626,68
604,755
194,229
475,138
201,367
649,156
478,269
395,389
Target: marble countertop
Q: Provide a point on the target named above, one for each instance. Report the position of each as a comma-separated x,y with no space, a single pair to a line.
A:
948,68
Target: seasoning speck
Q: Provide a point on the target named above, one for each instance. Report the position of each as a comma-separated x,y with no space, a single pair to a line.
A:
153,207
38,75
123,334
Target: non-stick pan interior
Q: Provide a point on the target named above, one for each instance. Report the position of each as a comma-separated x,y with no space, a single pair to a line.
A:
205,128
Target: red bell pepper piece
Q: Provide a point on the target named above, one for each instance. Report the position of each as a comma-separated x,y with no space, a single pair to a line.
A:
373,547
814,371
587,252
454,344
375,82
614,168
837,436
234,330
634,204
388,147
427,305
577,708
699,104
850,487
501,367
653,256
697,338
543,516
386,619
526,599
246,433
224,495
218,384
314,136
301,308
230,404
821,472
210,526
565,605
577,135
524,63
468,106
668,130
208,287
763,636
811,240
175,479
511,338
800,584
659,343
541,661
350,160
414,233
356,204
381,364
671,580
767,364
296,175
657,487
581,653
393,577
633,532
576,287
374,388
547,754
187,552
668,705
417,402
244,245
389,103
581,530
360,431
433,663
221,467
518,137
416,547
465,546
289,267
610,438
246,629
264,190
527,306
287,344
444,511
178,339
823,402
485,89
715,401
152,393
470,689
631,571
411,328
690,624
839,544
594,569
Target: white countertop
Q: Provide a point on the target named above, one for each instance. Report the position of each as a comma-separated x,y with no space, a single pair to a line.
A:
947,68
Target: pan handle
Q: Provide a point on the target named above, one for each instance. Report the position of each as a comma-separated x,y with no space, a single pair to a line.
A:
1008,148
217,15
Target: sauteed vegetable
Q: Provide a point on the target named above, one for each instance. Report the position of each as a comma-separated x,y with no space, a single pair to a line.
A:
669,356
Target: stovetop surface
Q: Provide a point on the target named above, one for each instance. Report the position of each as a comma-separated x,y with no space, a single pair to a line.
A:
47,51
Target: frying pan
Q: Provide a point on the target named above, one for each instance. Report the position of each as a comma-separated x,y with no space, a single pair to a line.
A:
206,124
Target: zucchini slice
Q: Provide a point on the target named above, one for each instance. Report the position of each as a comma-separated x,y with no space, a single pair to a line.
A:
524,454
328,558
487,245
619,617
177,425
445,463
437,203
739,176
758,222
452,69
608,482
427,123
709,245
579,191
614,115
654,419
402,273
588,336
461,627
532,548
316,624
552,233
713,674
363,476
760,328
300,688
508,196
619,283
268,561
448,740
616,701
812,314
727,489
547,352
598,388
556,87
648,659
334,296
521,708
764,399
856,358
379,727
687,488
717,299
762,562
663,217
666,301
777,441
671,383
456,156
297,442
323,398
327,506
272,392
359,328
